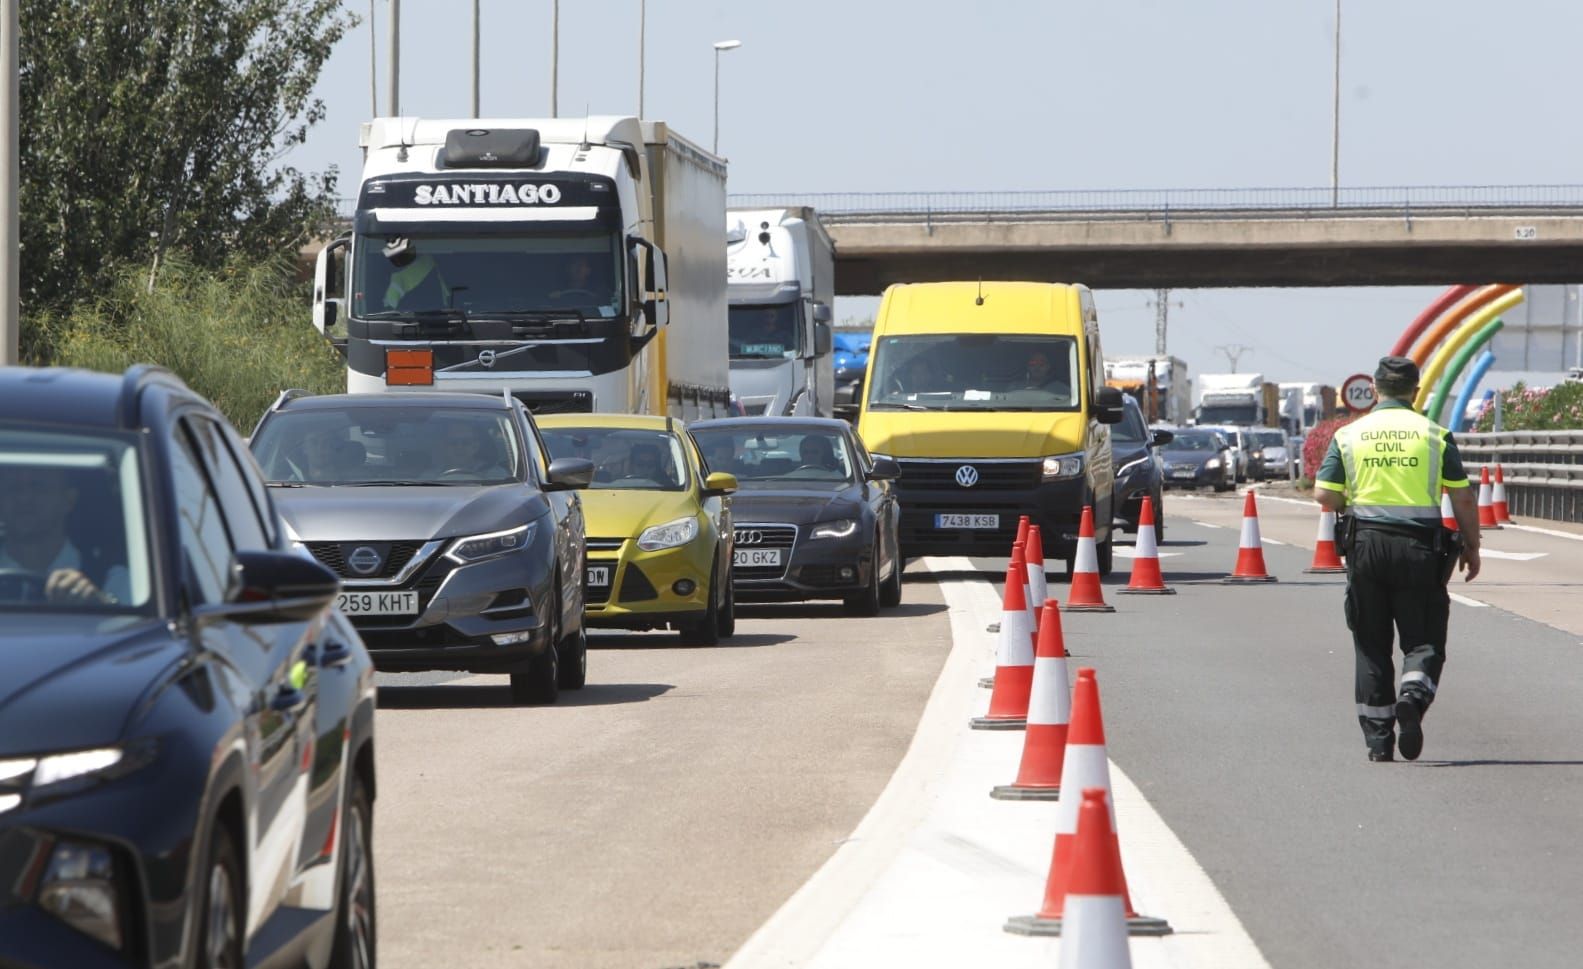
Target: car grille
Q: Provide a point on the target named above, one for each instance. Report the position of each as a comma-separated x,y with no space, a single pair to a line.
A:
394,557
604,544
771,536
992,476
1185,467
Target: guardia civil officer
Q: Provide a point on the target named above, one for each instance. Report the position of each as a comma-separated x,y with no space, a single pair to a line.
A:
1386,470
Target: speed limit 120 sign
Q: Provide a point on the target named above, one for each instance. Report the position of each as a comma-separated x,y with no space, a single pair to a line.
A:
1357,392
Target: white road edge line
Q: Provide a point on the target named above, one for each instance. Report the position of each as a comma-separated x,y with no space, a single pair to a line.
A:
927,876
1455,597
1552,532
1206,524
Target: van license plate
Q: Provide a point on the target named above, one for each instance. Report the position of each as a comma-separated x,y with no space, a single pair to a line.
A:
598,576
753,558
967,521
378,603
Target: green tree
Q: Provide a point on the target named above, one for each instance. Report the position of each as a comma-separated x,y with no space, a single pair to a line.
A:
158,127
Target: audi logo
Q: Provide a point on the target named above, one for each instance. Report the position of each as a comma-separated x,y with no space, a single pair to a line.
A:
967,476
749,536
363,560
486,359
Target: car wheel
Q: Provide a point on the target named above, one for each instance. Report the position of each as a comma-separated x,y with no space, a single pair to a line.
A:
572,663
1107,553
538,684
1159,518
890,592
866,603
706,631
728,611
355,935
220,932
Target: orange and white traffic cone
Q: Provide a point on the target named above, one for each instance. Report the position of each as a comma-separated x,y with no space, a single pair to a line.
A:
1019,561
1049,710
1084,594
1146,578
1503,514
1250,550
1038,585
1326,558
1487,520
1008,703
1021,539
1448,517
1096,903
1086,766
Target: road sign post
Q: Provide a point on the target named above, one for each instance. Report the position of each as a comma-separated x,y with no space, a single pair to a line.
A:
1357,393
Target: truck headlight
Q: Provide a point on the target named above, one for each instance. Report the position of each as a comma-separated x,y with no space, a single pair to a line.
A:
1062,467
477,548
840,528
669,535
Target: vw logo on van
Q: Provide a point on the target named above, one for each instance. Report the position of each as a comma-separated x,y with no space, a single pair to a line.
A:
363,560
967,476
749,536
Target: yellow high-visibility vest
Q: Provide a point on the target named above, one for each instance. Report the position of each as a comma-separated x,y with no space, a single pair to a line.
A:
1394,459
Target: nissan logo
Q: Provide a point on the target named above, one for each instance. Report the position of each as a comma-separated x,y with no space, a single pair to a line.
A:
486,359
967,476
749,536
363,560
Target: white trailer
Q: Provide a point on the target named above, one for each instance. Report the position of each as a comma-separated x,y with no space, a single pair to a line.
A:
1172,400
576,263
780,268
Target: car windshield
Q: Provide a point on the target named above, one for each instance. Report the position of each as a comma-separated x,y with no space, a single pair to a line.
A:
73,530
389,445
790,457
488,274
1194,442
1270,438
627,459
763,332
975,371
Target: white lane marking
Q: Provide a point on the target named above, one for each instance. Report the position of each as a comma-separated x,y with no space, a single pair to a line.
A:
1468,602
1129,553
1207,524
1271,541
1552,532
1493,553
1305,502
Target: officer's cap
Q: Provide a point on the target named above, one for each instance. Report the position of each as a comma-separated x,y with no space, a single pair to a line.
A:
1397,372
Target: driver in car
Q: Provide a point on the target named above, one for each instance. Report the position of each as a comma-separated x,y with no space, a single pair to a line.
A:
468,451
35,505
816,452
644,463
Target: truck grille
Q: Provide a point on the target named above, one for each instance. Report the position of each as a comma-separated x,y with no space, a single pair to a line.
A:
556,402
992,476
782,537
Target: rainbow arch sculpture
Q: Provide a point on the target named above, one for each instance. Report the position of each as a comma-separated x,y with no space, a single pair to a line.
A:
1446,336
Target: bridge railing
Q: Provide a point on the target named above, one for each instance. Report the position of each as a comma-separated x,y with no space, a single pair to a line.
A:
1316,200
1543,470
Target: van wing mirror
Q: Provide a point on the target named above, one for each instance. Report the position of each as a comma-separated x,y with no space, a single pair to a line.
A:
1108,406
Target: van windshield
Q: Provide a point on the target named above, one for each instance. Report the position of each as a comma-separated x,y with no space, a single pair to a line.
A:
976,371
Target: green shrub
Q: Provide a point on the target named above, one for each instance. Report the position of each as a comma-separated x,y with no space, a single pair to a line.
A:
237,335
1557,408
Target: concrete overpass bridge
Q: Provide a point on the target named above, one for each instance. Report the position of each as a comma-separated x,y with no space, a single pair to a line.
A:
1132,239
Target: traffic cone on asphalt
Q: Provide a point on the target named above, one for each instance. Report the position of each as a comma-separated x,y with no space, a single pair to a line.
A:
1448,517
1250,550
1008,703
1021,539
1019,560
1146,578
1096,904
1326,559
1049,710
1503,514
1038,585
1086,765
1084,594
1487,520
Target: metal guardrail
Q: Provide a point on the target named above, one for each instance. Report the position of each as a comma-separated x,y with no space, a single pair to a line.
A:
1543,470
1314,200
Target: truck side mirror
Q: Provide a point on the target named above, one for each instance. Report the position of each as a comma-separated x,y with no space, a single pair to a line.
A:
821,312
327,289
656,302
823,339
1108,406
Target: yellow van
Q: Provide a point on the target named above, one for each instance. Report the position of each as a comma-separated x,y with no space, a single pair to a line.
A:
992,398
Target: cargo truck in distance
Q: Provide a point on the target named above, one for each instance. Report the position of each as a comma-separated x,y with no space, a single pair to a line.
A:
576,263
1238,400
780,272
1307,404
1169,401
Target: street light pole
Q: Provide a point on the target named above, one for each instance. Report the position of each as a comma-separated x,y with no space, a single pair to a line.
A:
475,58
723,45
643,22
1335,120
555,58
393,92
373,64
10,183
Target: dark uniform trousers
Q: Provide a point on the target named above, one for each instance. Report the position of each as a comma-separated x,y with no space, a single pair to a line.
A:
1395,578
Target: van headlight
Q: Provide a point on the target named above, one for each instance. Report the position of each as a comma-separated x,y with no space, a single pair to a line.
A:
840,528
669,535
477,548
1062,467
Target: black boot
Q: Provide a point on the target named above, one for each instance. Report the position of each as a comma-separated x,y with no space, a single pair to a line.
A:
1409,727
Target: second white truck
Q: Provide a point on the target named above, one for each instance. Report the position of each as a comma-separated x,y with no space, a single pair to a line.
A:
780,267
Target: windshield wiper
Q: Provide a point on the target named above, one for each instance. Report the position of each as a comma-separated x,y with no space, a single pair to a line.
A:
388,484
420,316
901,406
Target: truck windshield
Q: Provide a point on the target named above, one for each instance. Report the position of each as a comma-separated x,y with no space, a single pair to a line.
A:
976,371
763,332
1228,414
561,274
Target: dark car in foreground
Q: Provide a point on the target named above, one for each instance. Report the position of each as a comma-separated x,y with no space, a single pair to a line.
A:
459,543
1197,457
186,726
815,515
1139,471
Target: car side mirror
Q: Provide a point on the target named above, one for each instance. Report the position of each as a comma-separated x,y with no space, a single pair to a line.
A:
885,469
1162,438
720,483
1108,406
569,474
270,586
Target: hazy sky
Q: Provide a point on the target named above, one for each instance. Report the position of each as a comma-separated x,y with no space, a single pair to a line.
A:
856,95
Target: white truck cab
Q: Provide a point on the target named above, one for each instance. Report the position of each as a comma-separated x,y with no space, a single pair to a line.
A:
780,271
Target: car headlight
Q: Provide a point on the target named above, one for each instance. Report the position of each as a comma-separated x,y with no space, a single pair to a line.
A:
1212,463
1259,455
840,528
477,548
669,535
48,770
1061,467
1132,466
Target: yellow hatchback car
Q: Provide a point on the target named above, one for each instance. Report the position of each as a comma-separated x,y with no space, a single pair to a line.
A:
660,541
